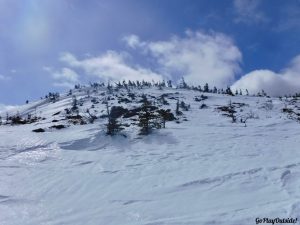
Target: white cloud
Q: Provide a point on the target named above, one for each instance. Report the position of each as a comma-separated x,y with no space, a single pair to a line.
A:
64,84
4,78
66,74
198,57
66,77
5,108
133,41
110,66
275,84
248,12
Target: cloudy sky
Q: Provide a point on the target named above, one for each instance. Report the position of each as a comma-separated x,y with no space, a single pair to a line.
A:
50,45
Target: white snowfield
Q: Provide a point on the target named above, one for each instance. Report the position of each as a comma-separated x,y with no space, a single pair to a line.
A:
206,170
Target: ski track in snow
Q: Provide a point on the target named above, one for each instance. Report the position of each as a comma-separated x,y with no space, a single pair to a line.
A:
203,171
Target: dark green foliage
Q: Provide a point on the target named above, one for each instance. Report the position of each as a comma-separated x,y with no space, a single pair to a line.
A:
184,106
178,112
165,115
183,84
215,90
206,88
200,98
117,111
70,92
74,104
18,120
58,127
38,130
229,111
57,113
203,106
162,99
228,91
91,117
75,119
148,118
53,97
113,126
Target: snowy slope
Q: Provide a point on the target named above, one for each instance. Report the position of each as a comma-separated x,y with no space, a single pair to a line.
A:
206,170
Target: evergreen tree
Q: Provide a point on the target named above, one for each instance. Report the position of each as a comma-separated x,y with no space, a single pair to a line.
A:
112,126
70,92
229,92
109,88
231,112
165,115
148,119
178,112
183,84
184,106
145,116
206,88
215,90
74,104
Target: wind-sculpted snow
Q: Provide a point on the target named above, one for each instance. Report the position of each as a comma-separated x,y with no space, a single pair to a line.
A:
202,170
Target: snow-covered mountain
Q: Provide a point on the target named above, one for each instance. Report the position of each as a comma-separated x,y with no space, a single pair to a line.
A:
222,160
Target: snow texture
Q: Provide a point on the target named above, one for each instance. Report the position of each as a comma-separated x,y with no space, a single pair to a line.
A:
203,170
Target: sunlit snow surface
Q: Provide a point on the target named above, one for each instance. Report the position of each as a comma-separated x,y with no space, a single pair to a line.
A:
206,170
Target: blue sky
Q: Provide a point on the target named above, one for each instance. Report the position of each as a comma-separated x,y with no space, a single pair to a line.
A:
50,45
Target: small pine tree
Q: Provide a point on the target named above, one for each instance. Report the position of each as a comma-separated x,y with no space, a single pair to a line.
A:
109,88
229,92
165,115
7,117
215,90
183,84
74,104
177,111
148,119
231,112
206,88
112,126
144,121
184,106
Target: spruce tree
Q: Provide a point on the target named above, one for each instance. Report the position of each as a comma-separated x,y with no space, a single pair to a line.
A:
112,126
177,111
206,88
148,119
